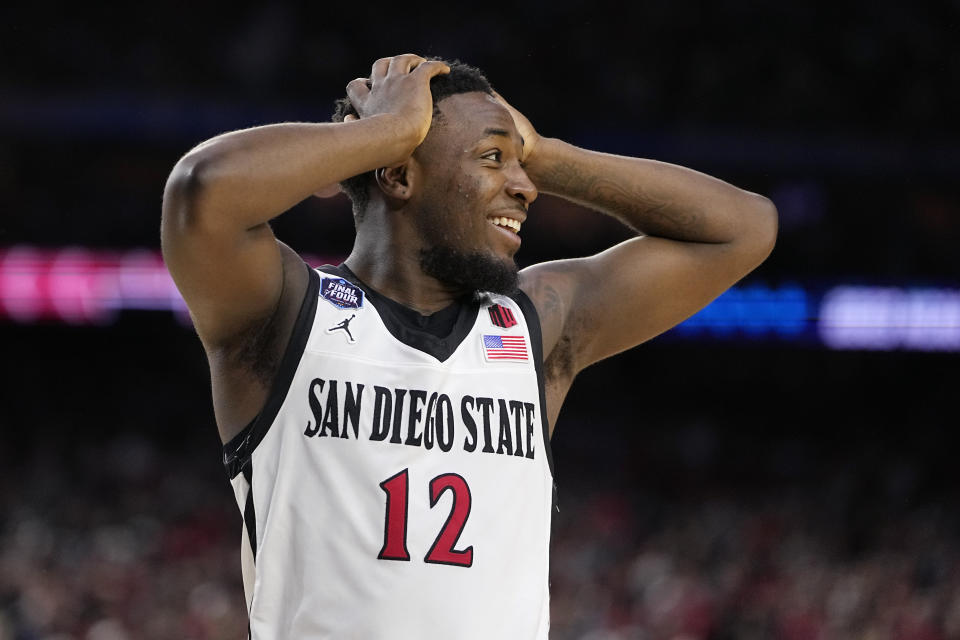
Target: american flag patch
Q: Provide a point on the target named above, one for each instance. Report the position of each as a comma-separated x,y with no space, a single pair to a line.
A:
505,348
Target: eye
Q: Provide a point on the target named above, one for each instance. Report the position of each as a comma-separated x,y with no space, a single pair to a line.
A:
496,155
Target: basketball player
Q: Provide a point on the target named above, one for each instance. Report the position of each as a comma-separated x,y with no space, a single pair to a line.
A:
387,421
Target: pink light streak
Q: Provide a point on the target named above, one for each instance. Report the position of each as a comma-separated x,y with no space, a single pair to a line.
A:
81,286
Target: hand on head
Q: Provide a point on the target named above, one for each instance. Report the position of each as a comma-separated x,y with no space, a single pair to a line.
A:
398,86
524,128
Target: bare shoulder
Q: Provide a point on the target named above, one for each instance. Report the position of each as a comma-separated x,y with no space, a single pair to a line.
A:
242,369
551,286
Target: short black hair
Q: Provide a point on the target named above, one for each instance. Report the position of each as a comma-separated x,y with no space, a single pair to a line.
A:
462,79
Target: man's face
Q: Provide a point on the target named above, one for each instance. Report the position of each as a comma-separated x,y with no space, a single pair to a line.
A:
473,194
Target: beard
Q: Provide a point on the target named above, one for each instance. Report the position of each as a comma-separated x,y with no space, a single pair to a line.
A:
469,271
465,269
451,255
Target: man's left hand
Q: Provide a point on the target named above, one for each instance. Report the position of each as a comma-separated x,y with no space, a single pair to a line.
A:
530,136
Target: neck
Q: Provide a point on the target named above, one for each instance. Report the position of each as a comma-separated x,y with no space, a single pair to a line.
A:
393,269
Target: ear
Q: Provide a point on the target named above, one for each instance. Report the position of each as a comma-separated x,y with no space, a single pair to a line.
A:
397,182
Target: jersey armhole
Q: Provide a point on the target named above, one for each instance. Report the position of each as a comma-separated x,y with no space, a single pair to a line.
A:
238,450
536,342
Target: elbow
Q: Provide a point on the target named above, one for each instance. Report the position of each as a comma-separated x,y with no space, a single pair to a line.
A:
190,178
186,191
762,228
769,224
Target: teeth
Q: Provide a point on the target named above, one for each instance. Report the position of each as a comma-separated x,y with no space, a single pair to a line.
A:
509,223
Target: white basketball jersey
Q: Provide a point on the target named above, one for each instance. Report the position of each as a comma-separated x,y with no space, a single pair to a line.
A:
396,484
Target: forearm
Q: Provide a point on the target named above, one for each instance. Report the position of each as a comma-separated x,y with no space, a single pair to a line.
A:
654,198
248,177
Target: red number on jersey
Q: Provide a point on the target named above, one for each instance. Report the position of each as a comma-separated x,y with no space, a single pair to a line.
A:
395,521
442,551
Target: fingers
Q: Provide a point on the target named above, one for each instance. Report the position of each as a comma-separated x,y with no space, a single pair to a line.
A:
506,104
395,64
431,68
404,63
518,118
357,91
379,69
388,81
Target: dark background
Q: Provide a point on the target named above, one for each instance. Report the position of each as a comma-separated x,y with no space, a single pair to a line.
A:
708,489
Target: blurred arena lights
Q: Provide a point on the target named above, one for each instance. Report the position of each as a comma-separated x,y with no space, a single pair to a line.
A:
753,310
82,286
886,318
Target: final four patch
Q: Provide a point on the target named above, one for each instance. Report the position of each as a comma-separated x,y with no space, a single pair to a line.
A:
341,293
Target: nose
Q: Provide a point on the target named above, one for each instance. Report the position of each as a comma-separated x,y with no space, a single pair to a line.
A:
520,186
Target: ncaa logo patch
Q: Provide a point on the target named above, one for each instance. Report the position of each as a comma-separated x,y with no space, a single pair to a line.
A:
341,294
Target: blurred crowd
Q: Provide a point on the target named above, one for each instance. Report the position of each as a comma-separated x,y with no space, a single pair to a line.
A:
722,569
121,541
116,542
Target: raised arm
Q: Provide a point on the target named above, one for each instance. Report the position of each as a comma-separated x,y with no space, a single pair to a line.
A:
699,235
242,286
220,196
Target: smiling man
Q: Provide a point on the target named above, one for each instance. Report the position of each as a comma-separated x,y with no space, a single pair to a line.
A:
387,421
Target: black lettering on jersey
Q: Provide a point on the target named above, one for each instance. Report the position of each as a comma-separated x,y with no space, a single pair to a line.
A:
443,424
516,408
505,438
315,408
331,415
397,414
486,405
417,397
428,416
529,406
351,410
382,408
428,431
469,442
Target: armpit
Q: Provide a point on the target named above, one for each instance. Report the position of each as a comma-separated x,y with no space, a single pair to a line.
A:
256,351
558,366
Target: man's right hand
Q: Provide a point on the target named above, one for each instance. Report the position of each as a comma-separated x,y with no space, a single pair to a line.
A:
399,86
235,277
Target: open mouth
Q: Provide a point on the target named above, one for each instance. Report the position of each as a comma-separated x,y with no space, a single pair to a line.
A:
506,223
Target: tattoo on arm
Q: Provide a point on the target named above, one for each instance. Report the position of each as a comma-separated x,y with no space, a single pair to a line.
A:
629,203
551,300
559,361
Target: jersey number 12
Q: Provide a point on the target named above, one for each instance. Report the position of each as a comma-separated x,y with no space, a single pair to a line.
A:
395,521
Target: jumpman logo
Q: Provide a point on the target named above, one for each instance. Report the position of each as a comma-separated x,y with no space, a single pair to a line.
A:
344,326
